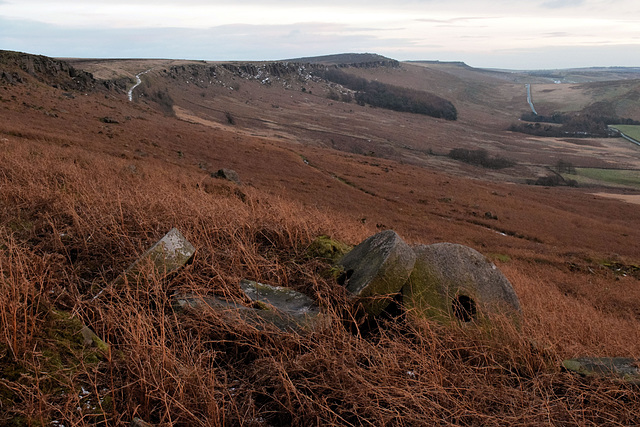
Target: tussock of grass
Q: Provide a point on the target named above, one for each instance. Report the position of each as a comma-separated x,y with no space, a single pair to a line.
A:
79,219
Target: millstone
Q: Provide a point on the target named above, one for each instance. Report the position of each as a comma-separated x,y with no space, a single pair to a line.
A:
452,281
612,367
377,269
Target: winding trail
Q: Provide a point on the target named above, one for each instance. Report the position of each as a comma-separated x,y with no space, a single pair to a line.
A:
138,82
529,100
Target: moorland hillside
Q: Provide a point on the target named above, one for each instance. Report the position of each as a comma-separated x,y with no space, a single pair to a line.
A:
89,180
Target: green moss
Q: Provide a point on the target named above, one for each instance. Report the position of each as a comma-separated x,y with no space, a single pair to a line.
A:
17,225
500,257
59,354
326,248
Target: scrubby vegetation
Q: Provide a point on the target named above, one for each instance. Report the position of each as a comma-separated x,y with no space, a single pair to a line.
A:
72,220
586,125
480,157
390,97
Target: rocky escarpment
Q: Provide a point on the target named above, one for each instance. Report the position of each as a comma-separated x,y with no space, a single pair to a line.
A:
300,70
19,68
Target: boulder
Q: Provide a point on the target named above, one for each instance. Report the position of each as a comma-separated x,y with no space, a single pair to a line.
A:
228,174
620,368
377,269
452,281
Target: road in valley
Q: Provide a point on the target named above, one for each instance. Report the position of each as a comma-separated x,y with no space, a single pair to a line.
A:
529,100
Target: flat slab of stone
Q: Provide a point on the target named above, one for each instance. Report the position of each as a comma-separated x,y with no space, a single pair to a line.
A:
294,304
166,256
377,269
451,281
284,308
621,368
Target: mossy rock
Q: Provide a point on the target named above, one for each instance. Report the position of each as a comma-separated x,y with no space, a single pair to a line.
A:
326,248
377,269
454,282
60,353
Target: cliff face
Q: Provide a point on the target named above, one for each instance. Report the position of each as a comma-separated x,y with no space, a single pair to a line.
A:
18,68
265,72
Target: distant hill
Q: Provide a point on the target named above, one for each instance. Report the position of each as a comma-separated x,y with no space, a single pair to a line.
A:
436,62
347,59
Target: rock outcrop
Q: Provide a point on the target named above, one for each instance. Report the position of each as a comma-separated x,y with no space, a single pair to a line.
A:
16,67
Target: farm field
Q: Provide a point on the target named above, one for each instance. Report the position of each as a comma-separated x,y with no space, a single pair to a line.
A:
632,131
627,178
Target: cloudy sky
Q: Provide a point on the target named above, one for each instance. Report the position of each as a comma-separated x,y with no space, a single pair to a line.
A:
516,34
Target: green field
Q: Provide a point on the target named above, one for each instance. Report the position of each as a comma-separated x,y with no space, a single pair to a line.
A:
630,130
623,177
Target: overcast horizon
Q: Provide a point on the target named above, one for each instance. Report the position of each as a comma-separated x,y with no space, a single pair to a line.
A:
543,34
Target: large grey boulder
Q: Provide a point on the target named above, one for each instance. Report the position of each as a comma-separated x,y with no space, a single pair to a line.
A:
620,368
451,281
376,269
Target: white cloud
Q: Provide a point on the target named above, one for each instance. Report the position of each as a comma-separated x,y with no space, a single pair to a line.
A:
560,4
246,29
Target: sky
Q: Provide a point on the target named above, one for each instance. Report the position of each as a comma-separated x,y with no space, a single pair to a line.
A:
511,34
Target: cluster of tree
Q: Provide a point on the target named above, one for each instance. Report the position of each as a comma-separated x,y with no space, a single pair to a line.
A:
553,181
564,166
577,127
560,118
390,97
480,158
593,122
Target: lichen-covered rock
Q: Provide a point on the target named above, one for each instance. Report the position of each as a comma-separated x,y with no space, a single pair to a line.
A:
452,281
166,256
621,368
299,307
284,308
376,269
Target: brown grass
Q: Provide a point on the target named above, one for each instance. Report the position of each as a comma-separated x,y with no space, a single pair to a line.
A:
81,199
73,219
